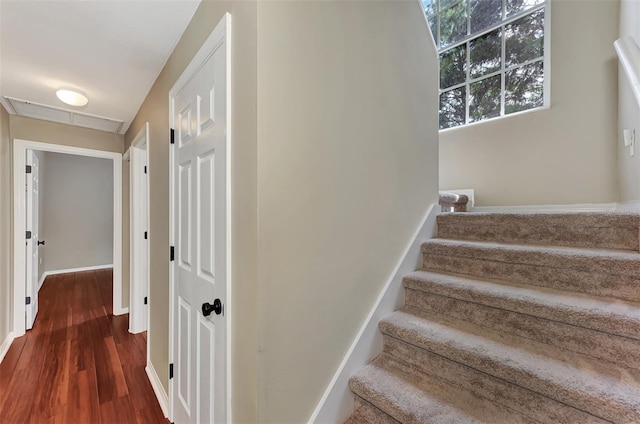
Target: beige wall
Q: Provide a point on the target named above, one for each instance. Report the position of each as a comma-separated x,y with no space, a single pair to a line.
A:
628,109
6,236
563,155
77,206
51,132
347,167
243,168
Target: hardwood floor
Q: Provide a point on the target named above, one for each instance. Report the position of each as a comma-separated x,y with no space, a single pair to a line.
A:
79,364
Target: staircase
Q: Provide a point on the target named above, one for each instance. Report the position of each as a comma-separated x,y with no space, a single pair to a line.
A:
514,318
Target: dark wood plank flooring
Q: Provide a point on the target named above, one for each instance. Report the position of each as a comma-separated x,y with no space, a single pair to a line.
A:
79,364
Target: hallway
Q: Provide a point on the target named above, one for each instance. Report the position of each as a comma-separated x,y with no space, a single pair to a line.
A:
79,364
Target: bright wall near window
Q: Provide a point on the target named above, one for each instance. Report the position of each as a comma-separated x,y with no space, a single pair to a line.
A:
562,155
628,110
77,209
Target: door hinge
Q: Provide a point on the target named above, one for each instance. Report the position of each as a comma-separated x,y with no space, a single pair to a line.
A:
145,169
146,300
146,235
28,235
170,371
173,136
28,169
172,252
28,302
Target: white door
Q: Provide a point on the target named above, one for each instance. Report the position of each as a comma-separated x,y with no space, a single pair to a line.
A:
200,221
32,192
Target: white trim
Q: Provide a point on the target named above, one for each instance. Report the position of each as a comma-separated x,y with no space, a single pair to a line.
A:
19,224
42,278
6,344
580,207
158,389
336,404
207,48
139,158
629,57
631,206
81,269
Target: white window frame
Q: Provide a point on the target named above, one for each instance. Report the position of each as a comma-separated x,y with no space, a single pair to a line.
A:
545,59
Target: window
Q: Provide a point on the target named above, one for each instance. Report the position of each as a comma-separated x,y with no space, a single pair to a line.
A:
491,57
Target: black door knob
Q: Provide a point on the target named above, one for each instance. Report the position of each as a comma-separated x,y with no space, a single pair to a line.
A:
41,243
207,308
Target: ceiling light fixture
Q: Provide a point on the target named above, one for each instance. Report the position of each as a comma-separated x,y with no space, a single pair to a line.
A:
72,97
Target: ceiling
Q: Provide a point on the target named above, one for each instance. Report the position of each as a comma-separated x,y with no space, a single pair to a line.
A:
112,50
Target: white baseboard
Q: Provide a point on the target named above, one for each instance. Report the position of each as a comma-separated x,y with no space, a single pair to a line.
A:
336,405
158,389
42,278
633,206
6,344
70,270
121,311
580,207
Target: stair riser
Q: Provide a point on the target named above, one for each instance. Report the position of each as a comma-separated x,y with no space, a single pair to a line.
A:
578,397
494,389
615,349
607,231
365,413
562,277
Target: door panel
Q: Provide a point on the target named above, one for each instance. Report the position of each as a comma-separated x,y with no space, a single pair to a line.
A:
206,217
199,393
206,376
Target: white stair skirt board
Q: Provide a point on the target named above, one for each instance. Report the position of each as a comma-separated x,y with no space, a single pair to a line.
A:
579,207
337,403
6,344
158,389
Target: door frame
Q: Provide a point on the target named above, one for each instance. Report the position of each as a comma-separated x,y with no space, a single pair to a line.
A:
206,50
138,156
20,148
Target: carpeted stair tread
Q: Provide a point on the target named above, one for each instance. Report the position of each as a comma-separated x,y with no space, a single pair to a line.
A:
540,323
602,272
610,230
501,392
412,396
603,314
600,388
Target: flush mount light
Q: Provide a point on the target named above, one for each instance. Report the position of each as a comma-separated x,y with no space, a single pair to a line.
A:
72,97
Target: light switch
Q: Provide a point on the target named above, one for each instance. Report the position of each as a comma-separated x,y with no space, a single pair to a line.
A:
630,141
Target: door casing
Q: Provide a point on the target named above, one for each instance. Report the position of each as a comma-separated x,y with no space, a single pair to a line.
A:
20,148
138,155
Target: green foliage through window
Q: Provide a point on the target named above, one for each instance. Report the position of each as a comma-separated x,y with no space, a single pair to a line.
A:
491,57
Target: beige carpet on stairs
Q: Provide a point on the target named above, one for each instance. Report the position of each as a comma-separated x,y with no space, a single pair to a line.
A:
513,318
